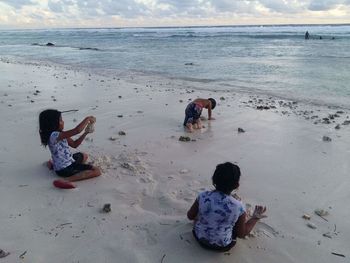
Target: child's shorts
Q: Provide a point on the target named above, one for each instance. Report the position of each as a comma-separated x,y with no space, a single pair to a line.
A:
205,244
76,167
192,113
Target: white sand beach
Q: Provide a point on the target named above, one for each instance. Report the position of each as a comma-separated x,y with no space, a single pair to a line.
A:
150,178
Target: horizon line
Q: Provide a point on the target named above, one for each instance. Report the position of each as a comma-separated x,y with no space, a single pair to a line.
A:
193,26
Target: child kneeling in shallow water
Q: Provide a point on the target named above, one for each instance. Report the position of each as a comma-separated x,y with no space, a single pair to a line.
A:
71,167
218,217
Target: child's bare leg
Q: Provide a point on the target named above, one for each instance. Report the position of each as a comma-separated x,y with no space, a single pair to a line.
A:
85,157
87,174
189,127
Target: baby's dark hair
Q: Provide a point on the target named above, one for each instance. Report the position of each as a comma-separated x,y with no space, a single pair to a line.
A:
226,177
213,103
49,121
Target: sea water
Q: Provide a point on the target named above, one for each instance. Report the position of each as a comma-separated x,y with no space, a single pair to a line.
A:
275,60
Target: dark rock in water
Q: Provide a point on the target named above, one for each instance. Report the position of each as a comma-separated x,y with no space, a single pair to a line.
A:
240,130
184,139
106,208
35,44
89,48
326,139
49,44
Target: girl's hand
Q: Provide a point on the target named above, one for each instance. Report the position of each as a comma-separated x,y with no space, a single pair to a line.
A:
259,212
92,119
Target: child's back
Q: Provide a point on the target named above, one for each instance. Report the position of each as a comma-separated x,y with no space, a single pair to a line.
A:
217,215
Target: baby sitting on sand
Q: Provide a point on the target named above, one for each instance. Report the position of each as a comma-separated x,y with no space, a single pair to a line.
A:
194,110
218,217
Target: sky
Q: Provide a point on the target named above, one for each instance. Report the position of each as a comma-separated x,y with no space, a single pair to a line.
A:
143,13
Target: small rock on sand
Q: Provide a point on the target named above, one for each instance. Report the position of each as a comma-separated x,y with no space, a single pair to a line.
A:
306,217
240,130
184,139
112,138
3,253
326,139
121,133
311,225
106,208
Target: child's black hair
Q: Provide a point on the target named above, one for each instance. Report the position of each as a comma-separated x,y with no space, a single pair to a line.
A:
226,177
213,103
49,121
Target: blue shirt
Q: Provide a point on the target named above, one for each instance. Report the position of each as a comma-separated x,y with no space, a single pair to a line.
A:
60,152
217,215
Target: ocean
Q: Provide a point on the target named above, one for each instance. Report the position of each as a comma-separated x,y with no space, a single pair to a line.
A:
273,60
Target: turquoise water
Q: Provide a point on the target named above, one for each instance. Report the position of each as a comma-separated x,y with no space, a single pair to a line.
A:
269,59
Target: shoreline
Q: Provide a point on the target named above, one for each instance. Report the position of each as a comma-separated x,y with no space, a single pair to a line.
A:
138,77
151,178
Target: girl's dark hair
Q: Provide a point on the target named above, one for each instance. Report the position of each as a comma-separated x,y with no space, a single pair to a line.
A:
226,177
213,103
49,121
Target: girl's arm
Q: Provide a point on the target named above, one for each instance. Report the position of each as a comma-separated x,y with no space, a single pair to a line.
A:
192,213
244,227
75,143
80,127
209,111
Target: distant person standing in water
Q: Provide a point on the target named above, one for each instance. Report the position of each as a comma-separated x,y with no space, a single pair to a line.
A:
307,35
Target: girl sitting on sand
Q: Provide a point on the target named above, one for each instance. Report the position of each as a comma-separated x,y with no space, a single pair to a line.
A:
70,166
218,217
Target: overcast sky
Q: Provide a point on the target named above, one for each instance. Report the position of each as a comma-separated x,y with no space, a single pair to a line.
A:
120,13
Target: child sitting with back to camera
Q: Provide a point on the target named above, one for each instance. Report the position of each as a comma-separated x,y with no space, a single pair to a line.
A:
194,110
218,217
69,166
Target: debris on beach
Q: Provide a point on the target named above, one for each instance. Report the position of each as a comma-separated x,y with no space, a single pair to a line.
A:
321,212
181,101
184,171
112,138
326,139
306,216
122,133
337,254
311,225
128,166
184,139
106,208
222,98
3,254
327,235
241,130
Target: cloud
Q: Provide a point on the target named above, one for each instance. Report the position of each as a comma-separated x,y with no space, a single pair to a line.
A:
169,12
18,3
325,5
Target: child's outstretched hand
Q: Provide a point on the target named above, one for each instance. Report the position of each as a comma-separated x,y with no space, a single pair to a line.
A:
259,212
92,119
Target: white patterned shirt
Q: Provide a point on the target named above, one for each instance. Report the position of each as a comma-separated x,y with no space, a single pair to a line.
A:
60,152
217,215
